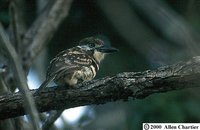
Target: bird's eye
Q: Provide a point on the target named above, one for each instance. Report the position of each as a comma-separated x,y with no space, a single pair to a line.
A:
91,45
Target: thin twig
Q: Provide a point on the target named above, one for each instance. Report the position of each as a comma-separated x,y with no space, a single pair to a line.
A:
43,28
137,85
15,38
4,88
21,79
51,119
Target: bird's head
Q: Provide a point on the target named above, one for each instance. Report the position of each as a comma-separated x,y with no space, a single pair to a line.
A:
96,47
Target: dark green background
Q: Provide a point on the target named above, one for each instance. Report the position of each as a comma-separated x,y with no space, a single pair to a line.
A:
87,18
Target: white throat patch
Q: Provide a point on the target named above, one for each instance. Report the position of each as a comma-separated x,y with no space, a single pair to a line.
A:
98,56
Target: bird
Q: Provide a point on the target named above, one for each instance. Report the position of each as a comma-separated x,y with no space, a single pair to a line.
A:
77,64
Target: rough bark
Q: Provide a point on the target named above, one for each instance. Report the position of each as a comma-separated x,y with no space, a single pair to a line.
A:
137,85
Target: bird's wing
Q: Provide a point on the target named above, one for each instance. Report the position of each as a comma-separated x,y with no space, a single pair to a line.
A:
60,65
67,62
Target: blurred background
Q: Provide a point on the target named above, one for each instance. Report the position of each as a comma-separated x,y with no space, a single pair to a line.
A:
149,34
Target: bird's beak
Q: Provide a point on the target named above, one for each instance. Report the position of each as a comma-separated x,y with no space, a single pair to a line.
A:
107,49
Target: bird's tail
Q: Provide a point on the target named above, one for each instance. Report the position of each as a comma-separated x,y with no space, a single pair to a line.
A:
44,84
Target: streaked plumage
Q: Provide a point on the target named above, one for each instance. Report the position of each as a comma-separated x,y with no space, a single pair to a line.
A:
72,66
77,64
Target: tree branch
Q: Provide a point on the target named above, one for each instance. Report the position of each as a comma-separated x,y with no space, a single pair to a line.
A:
20,77
51,119
43,28
17,25
108,89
